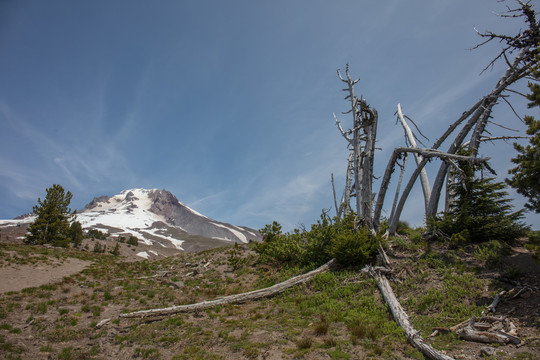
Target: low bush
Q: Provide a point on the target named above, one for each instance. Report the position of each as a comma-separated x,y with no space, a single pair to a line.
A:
491,253
96,234
327,239
354,248
534,244
133,240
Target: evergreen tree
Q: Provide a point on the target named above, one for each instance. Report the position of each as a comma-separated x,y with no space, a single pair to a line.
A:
116,250
526,174
481,210
52,225
76,234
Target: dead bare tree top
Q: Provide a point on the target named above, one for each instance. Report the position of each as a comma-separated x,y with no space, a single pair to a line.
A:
525,39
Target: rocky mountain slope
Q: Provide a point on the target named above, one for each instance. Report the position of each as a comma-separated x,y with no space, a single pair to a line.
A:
156,217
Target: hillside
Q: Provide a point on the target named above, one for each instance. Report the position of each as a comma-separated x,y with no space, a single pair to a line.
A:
339,314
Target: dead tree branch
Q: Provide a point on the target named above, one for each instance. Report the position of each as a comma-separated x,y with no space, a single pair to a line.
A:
401,317
238,298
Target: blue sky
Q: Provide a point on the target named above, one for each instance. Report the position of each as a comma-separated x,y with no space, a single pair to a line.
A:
228,104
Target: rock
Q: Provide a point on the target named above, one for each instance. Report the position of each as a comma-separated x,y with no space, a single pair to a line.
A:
487,351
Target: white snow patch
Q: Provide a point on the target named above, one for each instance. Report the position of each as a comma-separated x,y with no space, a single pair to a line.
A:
143,254
177,243
14,222
237,233
125,214
153,252
220,238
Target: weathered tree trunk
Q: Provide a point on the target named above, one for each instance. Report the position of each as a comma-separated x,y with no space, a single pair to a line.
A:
478,121
238,298
369,121
364,132
427,154
471,334
385,182
410,137
398,187
402,319
334,192
345,205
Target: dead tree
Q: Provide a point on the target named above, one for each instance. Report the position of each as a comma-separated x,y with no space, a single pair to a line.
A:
361,140
473,121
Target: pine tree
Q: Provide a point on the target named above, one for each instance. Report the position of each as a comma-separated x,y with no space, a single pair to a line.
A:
116,250
526,174
76,234
481,210
52,225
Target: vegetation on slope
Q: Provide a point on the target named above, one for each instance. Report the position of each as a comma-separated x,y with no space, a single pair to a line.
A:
338,315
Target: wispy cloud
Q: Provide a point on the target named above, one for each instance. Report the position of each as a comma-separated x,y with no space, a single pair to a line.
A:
212,197
85,158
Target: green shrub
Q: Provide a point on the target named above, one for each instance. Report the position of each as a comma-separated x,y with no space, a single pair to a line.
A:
96,234
327,239
99,248
133,240
403,227
460,238
491,253
354,248
235,259
116,250
534,244
76,233
66,353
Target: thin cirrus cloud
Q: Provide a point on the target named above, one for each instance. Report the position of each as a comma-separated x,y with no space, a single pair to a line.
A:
227,105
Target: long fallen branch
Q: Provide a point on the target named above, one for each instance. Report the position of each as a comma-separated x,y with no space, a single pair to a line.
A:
401,317
238,298
397,311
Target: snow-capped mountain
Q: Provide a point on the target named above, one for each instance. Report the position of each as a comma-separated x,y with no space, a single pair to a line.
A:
156,217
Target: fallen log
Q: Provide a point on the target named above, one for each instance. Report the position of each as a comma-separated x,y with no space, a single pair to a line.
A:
494,303
401,317
238,298
470,333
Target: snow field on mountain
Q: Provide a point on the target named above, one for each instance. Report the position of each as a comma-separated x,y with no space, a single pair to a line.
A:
237,233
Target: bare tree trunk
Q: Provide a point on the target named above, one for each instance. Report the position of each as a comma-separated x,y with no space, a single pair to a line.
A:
398,187
402,319
346,200
238,298
423,174
478,121
364,132
426,153
365,192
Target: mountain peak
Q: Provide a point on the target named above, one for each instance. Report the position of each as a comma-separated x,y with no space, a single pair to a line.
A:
155,215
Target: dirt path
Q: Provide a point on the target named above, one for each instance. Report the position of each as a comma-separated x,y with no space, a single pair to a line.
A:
23,276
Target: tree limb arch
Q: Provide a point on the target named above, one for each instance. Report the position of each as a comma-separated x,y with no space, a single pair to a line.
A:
427,153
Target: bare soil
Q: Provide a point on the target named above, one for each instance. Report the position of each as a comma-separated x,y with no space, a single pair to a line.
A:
24,276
